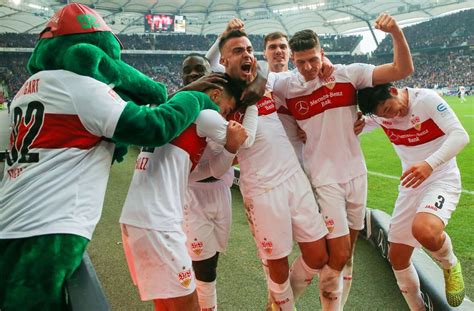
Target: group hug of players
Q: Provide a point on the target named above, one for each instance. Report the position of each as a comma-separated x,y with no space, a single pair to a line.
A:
303,175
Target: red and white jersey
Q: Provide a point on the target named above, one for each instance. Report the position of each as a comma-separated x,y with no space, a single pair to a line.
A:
326,110
58,163
155,198
271,159
422,131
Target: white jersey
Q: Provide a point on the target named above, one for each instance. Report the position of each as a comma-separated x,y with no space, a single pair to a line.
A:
58,165
422,131
156,195
291,129
208,156
326,110
462,90
271,159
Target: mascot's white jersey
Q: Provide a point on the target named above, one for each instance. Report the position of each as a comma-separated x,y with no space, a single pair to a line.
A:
58,163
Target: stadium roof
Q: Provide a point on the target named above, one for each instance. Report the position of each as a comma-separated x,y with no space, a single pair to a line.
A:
211,16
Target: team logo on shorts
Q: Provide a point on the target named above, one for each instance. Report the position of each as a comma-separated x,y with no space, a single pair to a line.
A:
197,247
329,224
267,246
415,121
185,277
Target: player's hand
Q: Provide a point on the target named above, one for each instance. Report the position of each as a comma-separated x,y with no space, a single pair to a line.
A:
386,23
236,136
326,68
416,174
234,24
301,134
206,82
255,88
359,124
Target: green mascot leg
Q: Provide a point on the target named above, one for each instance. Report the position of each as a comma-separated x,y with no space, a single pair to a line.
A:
35,269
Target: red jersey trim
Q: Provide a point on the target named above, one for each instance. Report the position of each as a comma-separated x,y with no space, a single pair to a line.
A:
63,131
342,94
265,106
418,135
192,143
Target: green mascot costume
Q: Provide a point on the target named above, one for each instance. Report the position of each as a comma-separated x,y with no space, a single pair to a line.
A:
80,102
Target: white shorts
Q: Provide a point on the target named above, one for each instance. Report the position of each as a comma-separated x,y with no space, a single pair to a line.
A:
343,205
285,213
158,262
207,219
439,199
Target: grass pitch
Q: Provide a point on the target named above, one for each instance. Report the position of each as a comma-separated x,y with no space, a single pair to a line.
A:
241,284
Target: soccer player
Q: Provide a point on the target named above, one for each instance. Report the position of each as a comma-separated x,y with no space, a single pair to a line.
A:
427,136
154,241
278,198
208,202
462,93
326,110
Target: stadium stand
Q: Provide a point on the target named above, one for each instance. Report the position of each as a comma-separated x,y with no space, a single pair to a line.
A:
443,58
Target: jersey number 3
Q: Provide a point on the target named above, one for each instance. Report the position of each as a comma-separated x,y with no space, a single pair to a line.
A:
24,132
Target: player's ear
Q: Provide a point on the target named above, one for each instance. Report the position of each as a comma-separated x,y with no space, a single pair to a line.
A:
215,94
223,61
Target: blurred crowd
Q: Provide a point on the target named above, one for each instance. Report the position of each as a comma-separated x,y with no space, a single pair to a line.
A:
442,32
450,65
181,42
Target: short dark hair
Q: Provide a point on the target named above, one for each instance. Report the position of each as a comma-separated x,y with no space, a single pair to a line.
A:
304,40
234,33
369,98
197,55
273,36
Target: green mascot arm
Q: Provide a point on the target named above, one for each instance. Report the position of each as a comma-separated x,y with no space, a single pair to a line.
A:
89,60
153,127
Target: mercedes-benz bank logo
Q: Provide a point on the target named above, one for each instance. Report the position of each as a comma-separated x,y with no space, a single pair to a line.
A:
302,107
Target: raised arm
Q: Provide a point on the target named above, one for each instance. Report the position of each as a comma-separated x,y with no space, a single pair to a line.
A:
402,65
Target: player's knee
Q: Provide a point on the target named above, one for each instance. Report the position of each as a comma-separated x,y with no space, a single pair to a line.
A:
427,234
205,270
339,258
317,259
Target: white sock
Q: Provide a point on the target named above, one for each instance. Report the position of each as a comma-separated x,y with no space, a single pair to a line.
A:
409,284
330,288
266,272
301,276
445,254
282,295
347,280
207,295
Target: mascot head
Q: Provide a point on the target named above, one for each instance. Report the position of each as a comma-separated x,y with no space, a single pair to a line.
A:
77,39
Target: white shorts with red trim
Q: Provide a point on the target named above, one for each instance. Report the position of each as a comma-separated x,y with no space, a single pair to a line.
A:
285,213
158,262
439,199
343,205
207,219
